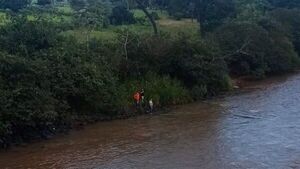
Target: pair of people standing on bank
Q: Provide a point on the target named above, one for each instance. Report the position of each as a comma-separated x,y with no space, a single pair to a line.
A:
139,98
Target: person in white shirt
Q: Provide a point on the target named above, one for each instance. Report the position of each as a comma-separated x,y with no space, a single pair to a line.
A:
151,105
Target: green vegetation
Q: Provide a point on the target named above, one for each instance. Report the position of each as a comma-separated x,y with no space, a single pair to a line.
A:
163,90
4,19
62,61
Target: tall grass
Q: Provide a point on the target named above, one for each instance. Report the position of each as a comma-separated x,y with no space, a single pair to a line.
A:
162,89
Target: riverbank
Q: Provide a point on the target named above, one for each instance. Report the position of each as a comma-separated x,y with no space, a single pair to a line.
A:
79,122
51,81
258,129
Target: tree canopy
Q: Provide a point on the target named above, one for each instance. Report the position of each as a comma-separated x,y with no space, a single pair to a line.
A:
14,5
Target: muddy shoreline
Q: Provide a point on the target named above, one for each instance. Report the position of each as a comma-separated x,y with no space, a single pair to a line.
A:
255,127
240,85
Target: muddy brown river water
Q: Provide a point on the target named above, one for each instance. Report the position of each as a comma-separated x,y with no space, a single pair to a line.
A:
256,129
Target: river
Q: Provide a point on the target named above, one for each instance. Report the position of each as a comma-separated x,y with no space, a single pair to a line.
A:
258,128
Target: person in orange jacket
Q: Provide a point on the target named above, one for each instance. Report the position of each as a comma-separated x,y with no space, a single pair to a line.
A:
137,98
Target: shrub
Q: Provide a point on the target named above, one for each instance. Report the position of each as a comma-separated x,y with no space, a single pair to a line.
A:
28,107
250,49
44,2
155,15
162,89
198,64
290,24
42,92
14,5
192,61
121,15
26,37
178,15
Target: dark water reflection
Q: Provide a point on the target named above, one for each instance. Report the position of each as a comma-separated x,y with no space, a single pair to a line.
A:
259,129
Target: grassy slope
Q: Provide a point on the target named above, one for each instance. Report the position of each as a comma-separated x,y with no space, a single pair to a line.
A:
165,24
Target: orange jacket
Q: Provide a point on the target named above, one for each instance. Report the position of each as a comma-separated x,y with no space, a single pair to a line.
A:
137,96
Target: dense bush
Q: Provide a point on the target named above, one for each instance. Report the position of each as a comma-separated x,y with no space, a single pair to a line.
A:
251,49
25,37
44,2
39,94
290,24
46,86
92,14
162,89
27,105
14,5
121,15
197,63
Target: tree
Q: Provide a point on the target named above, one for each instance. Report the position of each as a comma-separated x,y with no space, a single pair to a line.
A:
199,65
289,20
142,4
212,13
91,13
26,37
77,4
251,49
121,15
285,3
14,5
251,11
161,4
44,2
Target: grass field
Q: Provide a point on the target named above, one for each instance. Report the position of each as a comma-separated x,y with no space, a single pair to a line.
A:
64,14
51,17
165,24
139,13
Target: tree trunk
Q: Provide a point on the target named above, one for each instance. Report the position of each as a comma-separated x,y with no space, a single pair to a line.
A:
149,16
